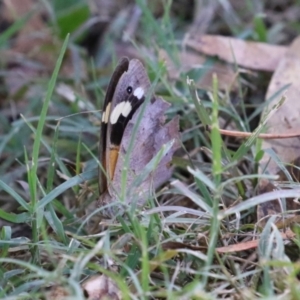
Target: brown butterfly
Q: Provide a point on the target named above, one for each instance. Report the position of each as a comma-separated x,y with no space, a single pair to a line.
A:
126,92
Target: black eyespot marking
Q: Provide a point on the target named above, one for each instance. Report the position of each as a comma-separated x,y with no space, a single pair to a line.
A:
129,90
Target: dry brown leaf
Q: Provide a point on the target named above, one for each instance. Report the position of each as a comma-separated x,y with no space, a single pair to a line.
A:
238,247
251,244
274,207
190,60
15,10
35,49
177,245
101,287
252,55
286,119
95,288
58,293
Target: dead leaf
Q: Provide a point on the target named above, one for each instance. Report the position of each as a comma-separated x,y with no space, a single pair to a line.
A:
177,245
274,207
58,293
252,55
35,49
286,119
251,244
189,60
101,287
238,247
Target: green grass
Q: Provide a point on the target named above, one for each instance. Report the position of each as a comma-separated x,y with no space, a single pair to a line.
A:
48,177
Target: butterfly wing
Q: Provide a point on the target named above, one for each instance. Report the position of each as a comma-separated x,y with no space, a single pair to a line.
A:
151,136
120,69
126,92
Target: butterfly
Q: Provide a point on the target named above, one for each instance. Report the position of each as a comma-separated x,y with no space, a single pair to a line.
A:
128,89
